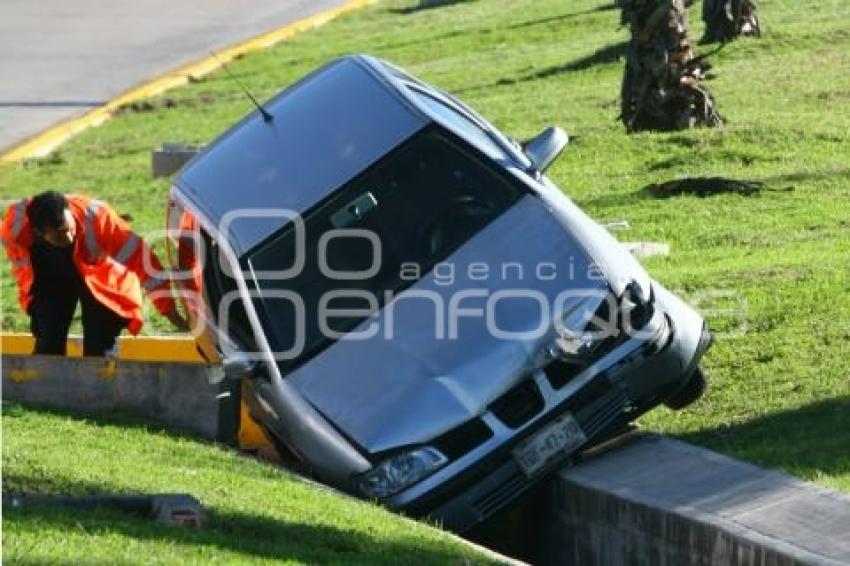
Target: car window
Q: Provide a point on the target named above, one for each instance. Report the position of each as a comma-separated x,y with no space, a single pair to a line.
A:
461,124
218,285
419,203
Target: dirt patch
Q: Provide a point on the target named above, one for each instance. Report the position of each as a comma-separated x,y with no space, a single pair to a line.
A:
834,95
167,103
702,187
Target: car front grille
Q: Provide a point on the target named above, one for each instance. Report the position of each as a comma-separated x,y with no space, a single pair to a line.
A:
595,419
519,405
461,439
502,495
561,372
599,416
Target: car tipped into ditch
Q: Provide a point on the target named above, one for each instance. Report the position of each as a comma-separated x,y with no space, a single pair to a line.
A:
414,311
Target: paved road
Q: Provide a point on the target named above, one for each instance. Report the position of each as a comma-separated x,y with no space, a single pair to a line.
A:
62,58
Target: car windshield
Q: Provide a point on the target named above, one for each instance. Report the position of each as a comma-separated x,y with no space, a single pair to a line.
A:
464,125
373,238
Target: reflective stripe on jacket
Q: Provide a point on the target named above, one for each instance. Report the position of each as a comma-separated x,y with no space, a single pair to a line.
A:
110,258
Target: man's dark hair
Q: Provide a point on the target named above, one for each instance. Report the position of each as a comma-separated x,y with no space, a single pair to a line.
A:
47,210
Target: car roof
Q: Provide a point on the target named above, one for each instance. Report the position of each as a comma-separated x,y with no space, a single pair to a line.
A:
326,129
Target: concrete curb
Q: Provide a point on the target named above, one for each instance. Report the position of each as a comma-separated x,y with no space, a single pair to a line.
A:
179,349
177,395
661,501
47,141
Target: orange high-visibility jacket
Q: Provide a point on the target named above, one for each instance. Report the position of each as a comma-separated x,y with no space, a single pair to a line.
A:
110,258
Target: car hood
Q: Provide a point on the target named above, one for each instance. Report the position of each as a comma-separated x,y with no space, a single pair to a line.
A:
434,360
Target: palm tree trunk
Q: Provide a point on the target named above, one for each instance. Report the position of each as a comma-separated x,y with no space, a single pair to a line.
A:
727,19
662,84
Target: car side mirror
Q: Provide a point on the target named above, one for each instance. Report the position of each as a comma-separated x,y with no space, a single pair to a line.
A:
543,149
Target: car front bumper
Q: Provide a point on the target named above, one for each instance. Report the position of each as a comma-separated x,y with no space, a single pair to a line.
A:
628,381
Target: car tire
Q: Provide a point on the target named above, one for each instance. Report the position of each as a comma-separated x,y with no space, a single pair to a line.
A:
688,393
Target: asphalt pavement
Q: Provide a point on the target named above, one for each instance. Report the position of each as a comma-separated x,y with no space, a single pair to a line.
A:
60,59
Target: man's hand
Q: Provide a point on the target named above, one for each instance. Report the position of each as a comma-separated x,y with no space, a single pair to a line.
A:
177,319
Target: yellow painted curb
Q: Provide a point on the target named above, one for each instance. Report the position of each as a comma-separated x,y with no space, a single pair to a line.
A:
130,348
47,141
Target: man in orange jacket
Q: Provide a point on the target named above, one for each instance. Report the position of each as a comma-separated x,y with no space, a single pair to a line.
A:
72,248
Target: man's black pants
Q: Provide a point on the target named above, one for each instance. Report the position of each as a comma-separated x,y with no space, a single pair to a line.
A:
57,287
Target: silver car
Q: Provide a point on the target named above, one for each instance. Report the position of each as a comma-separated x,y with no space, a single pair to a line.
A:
414,312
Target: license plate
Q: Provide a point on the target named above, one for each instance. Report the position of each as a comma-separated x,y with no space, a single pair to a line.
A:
562,435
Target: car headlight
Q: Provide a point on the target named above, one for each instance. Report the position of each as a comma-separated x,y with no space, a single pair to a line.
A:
581,333
582,336
400,471
578,346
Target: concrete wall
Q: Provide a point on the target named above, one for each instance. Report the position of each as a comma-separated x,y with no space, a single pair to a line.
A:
176,394
663,502
648,500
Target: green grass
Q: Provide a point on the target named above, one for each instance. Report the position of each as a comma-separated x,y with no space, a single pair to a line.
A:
257,512
780,391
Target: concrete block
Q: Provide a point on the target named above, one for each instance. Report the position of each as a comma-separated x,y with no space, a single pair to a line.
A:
665,502
647,249
177,395
170,157
181,509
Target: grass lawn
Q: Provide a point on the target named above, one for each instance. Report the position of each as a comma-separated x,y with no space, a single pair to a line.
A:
258,514
780,377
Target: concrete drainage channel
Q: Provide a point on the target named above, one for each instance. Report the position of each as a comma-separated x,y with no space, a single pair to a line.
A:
647,499
640,499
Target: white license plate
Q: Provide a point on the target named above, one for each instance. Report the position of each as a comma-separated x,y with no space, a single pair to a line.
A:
561,435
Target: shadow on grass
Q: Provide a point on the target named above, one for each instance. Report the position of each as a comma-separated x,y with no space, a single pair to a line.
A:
615,199
429,5
562,17
254,536
681,141
435,39
608,54
457,32
124,419
702,187
19,484
806,441
713,186
808,176
604,55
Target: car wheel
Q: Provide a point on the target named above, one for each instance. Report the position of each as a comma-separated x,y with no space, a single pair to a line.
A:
690,392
